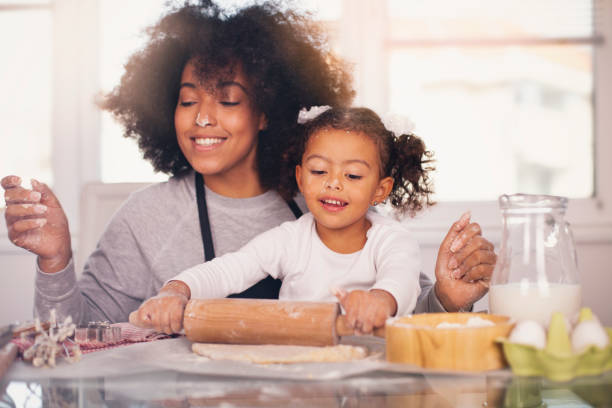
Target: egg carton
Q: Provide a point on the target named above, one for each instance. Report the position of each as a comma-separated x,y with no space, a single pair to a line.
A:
557,363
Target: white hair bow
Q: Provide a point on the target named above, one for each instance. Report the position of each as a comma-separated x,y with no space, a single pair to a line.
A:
306,115
396,123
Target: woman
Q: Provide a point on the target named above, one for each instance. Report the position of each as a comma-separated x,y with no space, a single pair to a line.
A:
210,100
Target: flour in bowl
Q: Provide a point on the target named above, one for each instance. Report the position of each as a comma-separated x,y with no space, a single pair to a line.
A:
472,322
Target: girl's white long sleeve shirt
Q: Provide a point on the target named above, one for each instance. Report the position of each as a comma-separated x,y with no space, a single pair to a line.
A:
293,252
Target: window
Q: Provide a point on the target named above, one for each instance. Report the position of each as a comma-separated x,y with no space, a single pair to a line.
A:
26,87
512,96
120,35
501,91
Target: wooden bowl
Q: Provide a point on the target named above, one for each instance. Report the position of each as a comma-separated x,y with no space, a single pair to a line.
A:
417,340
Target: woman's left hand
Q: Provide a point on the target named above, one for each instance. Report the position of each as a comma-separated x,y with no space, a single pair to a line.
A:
464,266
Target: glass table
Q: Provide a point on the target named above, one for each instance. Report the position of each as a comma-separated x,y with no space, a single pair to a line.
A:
136,376
165,388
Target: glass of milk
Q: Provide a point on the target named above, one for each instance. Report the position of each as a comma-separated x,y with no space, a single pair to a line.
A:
536,272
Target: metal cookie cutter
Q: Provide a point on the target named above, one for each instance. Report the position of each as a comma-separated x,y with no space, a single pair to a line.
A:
98,332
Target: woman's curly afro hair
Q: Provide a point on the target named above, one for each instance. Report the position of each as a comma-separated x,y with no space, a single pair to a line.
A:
283,53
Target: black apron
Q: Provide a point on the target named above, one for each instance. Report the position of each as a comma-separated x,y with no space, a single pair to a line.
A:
264,289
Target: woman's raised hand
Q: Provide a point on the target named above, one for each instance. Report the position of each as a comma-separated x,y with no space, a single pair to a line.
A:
163,312
36,221
464,266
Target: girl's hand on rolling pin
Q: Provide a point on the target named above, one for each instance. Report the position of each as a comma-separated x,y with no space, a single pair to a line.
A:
36,221
163,312
367,310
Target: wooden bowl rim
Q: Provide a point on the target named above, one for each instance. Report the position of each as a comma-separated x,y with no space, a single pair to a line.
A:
408,322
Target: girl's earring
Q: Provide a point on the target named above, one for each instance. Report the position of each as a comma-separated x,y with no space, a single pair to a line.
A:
375,203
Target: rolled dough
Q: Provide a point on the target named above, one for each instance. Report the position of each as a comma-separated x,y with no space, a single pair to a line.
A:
277,354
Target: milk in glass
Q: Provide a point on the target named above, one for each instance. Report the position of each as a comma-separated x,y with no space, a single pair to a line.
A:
536,273
535,303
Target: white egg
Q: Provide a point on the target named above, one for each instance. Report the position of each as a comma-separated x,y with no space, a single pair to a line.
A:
587,333
530,333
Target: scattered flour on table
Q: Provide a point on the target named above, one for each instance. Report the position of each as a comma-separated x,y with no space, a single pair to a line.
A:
278,354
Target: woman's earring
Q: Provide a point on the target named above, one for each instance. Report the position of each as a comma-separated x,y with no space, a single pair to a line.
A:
203,123
375,203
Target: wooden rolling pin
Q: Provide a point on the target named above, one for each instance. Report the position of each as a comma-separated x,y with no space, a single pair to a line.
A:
257,321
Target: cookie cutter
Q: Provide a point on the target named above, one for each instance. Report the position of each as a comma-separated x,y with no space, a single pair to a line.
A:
98,332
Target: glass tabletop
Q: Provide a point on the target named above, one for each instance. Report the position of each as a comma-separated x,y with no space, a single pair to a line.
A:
167,373
168,388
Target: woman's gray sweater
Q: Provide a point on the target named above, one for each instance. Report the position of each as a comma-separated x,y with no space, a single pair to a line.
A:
154,236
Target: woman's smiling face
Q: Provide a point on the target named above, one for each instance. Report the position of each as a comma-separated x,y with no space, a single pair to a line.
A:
340,177
225,141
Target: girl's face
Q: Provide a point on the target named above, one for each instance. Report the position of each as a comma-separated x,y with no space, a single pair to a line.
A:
340,178
226,141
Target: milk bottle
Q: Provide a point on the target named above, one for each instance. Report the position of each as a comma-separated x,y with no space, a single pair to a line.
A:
536,272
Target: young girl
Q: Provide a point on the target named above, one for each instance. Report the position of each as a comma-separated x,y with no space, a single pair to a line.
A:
347,162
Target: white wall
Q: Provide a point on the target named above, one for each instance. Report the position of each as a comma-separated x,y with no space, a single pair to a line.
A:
16,286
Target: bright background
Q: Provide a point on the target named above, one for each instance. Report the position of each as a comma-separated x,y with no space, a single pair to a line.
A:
511,95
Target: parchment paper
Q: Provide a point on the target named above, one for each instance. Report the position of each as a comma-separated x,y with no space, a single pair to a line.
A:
176,355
